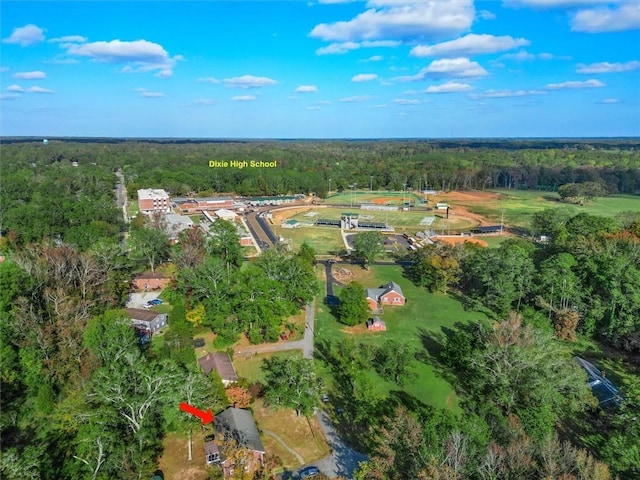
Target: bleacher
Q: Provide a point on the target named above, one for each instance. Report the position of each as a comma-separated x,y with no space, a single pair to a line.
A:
327,222
377,225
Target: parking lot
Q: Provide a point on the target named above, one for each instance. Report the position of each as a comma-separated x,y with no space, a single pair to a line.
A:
138,299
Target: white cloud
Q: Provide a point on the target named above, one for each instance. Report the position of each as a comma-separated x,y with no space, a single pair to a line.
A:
471,44
606,19
322,102
508,93
404,20
61,61
36,75
447,67
138,56
449,87
382,105
249,81
208,80
18,88
375,58
313,108
166,73
357,98
606,67
575,84
69,39
146,93
406,101
608,101
39,90
4,69
523,55
344,47
555,3
243,98
486,15
204,101
306,89
9,96
364,77
25,36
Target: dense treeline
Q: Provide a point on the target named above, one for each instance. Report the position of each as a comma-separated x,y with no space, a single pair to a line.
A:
58,201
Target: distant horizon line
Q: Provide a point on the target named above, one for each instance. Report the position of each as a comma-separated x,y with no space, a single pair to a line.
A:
91,137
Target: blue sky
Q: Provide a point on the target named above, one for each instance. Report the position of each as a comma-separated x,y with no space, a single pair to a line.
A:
321,68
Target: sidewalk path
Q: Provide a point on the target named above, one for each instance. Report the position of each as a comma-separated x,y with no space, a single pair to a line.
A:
285,446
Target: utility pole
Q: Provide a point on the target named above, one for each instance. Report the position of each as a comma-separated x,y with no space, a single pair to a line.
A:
329,186
501,221
371,183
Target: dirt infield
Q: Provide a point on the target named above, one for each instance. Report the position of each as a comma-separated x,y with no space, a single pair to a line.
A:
456,240
383,200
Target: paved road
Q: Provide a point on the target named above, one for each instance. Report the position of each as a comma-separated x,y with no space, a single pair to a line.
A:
306,344
343,460
260,231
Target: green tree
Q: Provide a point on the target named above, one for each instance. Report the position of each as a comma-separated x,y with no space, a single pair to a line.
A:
393,361
368,246
149,246
306,253
353,308
291,383
225,243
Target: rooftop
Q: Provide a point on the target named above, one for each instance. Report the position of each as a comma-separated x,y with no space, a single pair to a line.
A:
239,423
141,315
152,193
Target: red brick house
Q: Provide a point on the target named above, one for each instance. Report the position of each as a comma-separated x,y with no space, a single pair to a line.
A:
208,204
150,281
388,294
374,324
235,425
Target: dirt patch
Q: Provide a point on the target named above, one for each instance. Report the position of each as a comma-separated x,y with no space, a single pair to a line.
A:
456,240
471,196
383,200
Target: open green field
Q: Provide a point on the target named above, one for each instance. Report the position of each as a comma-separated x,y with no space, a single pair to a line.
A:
520,205
426,315
324,240
365,196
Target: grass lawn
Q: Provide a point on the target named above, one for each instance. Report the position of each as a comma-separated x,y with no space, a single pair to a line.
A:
520,205
174,463
249,367
425,314
302,435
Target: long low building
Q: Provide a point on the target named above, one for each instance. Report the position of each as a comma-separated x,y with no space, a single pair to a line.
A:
206,204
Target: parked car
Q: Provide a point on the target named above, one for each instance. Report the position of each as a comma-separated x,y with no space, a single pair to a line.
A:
308,472
155,301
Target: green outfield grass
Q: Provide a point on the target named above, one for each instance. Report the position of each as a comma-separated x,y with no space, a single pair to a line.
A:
324,240
401,220
365,196
520,205
425,314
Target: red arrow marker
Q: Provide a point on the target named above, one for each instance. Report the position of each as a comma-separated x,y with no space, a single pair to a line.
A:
206,417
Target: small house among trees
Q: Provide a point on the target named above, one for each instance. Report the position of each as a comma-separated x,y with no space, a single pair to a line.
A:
236,441
221,363
146,322
150,281
388,294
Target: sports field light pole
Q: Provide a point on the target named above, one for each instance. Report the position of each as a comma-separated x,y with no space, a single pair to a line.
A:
371,183
329,187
